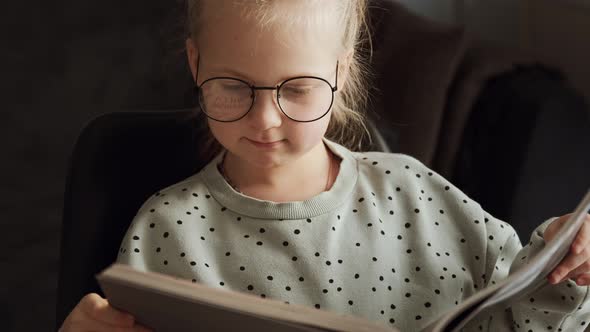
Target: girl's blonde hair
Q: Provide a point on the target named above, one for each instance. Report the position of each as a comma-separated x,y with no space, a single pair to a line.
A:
347,125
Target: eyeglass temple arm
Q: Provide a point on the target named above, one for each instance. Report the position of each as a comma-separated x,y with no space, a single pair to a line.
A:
197,69
335,88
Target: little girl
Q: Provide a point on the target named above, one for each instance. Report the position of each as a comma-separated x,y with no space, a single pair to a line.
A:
287,211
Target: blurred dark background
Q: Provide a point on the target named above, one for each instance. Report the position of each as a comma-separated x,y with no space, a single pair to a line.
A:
65,62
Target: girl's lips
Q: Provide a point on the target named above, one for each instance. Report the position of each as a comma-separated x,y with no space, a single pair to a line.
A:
265,144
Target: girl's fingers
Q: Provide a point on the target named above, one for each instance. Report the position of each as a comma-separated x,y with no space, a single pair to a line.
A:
582,239
91,324
93,313
583,280
98,308
581,270
569,264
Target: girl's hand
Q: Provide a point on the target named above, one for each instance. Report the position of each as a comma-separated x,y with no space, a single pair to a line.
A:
576,264
93,313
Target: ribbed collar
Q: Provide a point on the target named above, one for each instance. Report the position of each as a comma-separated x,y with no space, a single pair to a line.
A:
256,208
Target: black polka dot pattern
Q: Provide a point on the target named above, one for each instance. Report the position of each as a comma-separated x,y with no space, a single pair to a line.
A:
405,246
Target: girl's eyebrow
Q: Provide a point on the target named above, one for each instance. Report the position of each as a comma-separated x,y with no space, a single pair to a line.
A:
237,74
231,72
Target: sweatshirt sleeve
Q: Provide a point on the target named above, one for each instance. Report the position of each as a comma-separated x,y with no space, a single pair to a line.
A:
560,307
134,249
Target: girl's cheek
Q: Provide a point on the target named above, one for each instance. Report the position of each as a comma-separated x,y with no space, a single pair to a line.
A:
310,133
223,132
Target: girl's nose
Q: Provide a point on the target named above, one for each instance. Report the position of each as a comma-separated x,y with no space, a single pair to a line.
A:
265,113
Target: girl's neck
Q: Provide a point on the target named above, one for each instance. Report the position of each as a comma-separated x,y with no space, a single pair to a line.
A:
307,177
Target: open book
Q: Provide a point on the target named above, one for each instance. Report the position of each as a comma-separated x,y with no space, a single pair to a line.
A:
166,303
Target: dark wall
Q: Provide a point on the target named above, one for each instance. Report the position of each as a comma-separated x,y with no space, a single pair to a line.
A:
64,62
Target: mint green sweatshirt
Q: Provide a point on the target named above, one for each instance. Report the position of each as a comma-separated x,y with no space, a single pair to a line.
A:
392,241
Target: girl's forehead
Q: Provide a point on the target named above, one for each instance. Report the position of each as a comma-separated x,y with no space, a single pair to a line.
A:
269,52
231,27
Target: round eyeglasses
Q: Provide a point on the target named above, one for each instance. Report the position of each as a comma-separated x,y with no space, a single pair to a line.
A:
301,99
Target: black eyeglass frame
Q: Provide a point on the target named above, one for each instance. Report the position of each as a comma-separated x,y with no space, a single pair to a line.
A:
197,90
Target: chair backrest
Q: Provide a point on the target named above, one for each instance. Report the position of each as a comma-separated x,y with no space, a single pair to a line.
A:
119,160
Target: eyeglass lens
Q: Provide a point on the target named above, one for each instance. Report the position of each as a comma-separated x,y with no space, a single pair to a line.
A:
301,99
